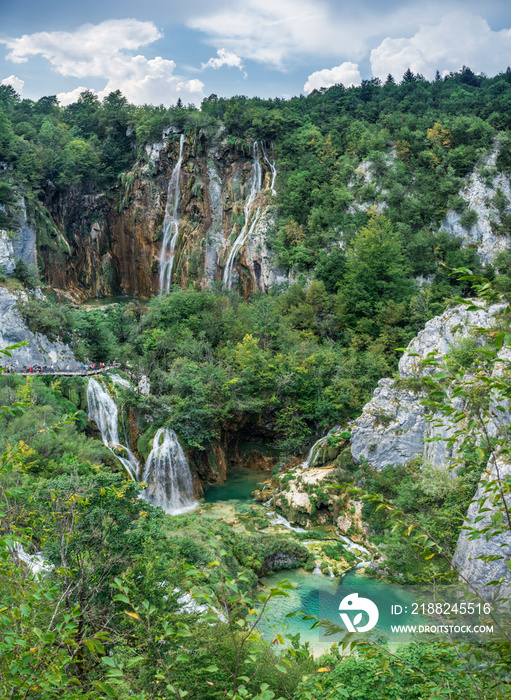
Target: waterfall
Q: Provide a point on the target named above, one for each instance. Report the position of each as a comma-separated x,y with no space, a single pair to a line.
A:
168,476
103,411
273,169
280,520
255,188
318,453
358,550
171,225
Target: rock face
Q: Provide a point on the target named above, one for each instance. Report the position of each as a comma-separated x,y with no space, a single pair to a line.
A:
112,245
304,494
479,193
39,351
391,428
24,240
7,260
393,425
21,245
466,558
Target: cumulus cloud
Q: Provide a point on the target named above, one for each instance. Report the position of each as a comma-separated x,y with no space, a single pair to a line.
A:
225,58
272,32
347,74
102,51
15,82
67,98
460,38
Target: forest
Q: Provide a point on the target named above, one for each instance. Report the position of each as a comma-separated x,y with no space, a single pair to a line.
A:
133,602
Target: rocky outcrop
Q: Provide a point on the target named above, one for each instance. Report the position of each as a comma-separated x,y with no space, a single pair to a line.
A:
470,556
39,351
393,427
307,496
479,192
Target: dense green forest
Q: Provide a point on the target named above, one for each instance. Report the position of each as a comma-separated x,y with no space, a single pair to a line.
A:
107,619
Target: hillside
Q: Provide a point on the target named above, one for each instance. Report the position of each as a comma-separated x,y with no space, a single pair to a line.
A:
251,269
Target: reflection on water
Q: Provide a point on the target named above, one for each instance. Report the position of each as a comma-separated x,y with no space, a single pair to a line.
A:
238,487
320,596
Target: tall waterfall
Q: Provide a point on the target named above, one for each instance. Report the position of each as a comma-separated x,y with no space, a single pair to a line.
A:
168,476
171,224
255,187
273,169
103,411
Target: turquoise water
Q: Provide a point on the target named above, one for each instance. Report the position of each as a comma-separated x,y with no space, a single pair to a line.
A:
320,596
316,595
238,487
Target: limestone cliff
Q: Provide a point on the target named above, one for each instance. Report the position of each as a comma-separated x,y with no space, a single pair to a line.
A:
393,429
39,351
393,426
115,239
482,229
467,558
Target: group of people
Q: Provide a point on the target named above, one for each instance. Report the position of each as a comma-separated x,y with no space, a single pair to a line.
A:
50,369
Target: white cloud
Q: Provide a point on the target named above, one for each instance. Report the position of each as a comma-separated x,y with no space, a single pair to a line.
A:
272,32
67,98
225,58
15,82
347,74
101,51
460,38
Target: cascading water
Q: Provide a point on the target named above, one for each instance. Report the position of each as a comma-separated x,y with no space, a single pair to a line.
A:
318,453
168,476
273,169
255,188
103,411
171,225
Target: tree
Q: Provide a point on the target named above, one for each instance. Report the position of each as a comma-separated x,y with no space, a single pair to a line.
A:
409,77
376,271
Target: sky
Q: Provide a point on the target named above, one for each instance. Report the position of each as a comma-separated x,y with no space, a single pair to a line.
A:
156,51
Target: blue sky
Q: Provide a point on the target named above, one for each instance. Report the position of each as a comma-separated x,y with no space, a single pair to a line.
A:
159,50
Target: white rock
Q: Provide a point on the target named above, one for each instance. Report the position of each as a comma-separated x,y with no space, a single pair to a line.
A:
478,197
466,558
144,386
7,259
39,351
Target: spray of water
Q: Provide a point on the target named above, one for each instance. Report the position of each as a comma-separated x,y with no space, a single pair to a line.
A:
103,411
168,476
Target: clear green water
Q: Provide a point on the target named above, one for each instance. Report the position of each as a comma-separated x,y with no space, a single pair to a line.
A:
320,596
238,487
315,594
